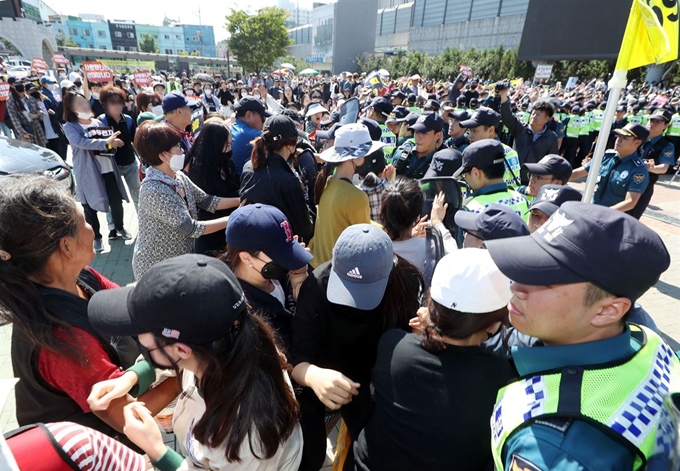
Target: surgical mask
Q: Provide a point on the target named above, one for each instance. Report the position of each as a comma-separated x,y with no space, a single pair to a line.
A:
208,91
256,96
177,162
19,88
157,110
95,95
84,114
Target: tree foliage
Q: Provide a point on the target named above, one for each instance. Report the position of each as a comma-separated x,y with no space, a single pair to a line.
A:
496,64
260,39
63,41
148,44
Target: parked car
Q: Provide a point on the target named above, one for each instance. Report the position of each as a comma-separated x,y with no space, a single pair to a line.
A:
17,157
19,71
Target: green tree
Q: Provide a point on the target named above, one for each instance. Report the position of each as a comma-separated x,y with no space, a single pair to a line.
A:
148,44
260,39
63,41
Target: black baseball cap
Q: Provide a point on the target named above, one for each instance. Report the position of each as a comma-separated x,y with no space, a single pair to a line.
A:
428,122
551,197
551,164
662,115
332,119
412,98
461,115
174,101
432,105
411,119
280,127
329,133
399,94
496,221
249,103
382,105
373,128
638,131
191,298
483,117
480,154
444,163
586,243
260,227
398,114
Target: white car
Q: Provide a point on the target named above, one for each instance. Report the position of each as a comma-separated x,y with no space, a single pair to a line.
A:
20,71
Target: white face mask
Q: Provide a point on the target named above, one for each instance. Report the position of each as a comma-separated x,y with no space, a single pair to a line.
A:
84,114
95,95
157,110
177,162
207,92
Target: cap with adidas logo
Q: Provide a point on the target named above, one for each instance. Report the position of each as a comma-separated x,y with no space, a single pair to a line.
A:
363,258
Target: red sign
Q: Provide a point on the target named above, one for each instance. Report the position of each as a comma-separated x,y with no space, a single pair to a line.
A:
59,59
39,64
4,91
143,78
97,72
465,70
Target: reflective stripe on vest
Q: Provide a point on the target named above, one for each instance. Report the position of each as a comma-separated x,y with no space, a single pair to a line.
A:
390,140
574,125
584,130
634,118
626,398
674,128
512,198
597,119
415,109
511,178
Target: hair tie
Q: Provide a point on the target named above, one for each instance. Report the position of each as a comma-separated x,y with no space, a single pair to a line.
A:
4,256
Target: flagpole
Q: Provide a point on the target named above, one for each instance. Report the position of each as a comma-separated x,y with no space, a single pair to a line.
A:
616,84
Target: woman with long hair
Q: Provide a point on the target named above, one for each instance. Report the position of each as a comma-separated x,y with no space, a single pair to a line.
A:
100,185
269,263
288,96
45,286
269,179
212,169
238,410
53,132
435,388
169,200
25,115
343,308
340,203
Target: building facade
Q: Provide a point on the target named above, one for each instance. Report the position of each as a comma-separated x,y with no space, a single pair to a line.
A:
199,39
171,40
123,36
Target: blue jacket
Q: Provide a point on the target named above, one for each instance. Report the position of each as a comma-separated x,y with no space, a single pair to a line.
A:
241,135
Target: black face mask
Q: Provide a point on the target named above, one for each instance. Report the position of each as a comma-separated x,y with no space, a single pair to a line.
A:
36,95
272,271
19,88
146,354
363,169
78,84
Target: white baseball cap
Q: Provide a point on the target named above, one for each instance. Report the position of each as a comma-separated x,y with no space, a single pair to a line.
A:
315,108
352,141
469,281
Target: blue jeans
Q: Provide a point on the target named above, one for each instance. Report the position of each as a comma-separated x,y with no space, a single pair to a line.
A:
130,174
4,129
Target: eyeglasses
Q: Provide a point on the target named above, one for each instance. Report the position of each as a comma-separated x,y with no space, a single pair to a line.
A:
536,178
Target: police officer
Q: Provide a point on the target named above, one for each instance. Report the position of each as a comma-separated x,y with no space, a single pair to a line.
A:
548,200
484,124
573,125
596,119
550,170
380,109
658,154
458,134
623,176
405,140
393,123
429,138
398,97
483,169
673,133
412,98
591,394
584,140
620,121
523,114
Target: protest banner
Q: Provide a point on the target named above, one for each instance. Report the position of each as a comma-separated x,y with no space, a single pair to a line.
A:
97,72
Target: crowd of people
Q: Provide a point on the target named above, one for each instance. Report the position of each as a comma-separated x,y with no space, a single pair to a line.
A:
405,258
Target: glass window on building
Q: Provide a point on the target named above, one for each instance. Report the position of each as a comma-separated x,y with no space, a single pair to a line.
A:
166,36
73,31
120,48
101,34
86,32
133,49
103,48
91,46
131,35
168,51
177,36
118,34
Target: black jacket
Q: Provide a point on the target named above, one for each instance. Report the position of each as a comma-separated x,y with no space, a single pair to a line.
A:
274,183
270,308
528,150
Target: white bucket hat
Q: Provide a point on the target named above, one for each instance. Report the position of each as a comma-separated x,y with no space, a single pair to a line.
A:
352,141
469,281
315,108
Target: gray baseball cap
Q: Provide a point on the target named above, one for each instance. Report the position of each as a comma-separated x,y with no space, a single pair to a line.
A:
363,258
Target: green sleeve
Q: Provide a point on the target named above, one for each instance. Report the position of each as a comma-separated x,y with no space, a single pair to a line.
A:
170,461
146,375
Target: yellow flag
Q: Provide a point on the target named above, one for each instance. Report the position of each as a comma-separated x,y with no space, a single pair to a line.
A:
651,35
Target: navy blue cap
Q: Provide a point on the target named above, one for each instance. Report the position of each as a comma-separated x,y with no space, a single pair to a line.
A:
399,94
428,122
461,115
11,80
260,227
250,103
373,128
481,154
382,105
496,221
551,197
432,105
174,101
483,117
662,115
398,114
638,131
280,127
551,164
586,243
411,119
444,163
329,133
412,97
575,109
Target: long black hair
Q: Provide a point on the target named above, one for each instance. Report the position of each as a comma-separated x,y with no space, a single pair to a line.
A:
246,395
208,162
36,213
